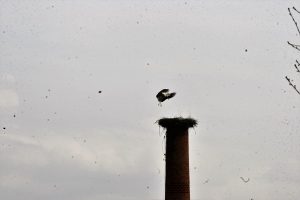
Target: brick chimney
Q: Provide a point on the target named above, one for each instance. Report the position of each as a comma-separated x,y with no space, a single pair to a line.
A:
177,185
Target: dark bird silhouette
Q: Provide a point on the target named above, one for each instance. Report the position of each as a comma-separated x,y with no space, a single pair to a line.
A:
164,94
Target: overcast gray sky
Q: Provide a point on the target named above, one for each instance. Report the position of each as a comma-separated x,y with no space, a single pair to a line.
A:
225,59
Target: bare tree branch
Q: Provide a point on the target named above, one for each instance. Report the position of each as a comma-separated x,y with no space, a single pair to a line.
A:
296,68
297,65
296,10
295,46
291,84
296,24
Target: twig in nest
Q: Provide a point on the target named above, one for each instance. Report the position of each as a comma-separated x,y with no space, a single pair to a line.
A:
291,84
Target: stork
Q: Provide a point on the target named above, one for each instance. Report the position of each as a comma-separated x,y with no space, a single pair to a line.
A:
163,95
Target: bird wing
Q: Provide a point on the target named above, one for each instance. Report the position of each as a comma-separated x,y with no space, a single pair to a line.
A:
170,95
164,94
164,91
161,93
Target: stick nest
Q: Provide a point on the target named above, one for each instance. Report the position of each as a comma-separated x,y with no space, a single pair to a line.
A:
177,123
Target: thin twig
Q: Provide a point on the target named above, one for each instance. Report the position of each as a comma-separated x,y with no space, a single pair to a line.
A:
297,47
297,65
296,24
296,68
294,46
296,10
291,84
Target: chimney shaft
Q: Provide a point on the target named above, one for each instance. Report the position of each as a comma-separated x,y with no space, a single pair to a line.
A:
177,185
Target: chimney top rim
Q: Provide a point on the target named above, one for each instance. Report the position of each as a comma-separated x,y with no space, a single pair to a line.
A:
177,123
